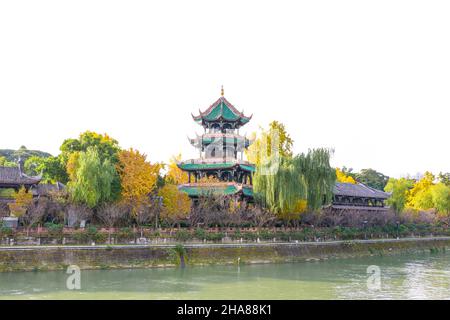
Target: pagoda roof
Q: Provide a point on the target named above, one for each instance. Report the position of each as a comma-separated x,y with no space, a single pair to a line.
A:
221,110
11,177
196,165
224,188
358,190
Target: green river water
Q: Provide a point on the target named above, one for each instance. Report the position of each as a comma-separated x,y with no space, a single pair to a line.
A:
403,276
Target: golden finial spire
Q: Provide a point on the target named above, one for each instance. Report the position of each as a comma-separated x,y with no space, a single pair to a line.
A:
221,91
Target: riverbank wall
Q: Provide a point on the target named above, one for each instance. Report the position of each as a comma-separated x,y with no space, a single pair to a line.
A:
36,258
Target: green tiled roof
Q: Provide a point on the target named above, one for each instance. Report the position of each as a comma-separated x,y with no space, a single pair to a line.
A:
247,191
222,109
247,167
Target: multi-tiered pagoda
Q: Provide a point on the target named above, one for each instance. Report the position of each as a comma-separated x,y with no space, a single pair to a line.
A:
220,168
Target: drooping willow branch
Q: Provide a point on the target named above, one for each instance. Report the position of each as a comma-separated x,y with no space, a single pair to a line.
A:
303,177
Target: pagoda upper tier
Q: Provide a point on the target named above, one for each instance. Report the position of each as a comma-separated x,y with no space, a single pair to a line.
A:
221,115
232,139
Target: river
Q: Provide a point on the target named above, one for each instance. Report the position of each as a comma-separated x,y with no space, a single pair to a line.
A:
402,276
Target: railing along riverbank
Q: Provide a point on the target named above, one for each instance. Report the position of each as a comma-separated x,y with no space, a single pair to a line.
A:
58,235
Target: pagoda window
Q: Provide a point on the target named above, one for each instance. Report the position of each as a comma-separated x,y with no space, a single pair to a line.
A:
227,127
214,150
230,152
215,127
225,176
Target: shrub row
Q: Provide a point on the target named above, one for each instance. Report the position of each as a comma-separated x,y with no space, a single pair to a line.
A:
303,234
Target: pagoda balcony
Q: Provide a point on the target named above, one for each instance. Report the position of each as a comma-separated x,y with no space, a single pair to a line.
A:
216,184
222,135
216,161
208,138
217,188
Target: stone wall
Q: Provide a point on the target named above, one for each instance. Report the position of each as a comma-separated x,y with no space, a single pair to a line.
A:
105,257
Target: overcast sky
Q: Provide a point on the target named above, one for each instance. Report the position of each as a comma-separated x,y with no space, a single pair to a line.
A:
370,79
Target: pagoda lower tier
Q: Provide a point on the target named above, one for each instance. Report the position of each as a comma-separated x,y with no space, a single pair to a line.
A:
196,190
225,169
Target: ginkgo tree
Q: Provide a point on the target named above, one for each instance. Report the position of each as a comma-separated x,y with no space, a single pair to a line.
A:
342,177
174,174
138,177
176,204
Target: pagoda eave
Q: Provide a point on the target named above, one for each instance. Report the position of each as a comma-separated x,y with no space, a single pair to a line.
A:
215,166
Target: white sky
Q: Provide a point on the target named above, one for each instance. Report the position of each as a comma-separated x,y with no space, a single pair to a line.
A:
368,78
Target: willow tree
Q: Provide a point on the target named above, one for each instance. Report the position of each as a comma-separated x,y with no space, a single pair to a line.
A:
92,179
295,179
314,168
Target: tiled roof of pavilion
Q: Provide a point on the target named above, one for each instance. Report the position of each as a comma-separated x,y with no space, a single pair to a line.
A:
12,176
358,190
223,110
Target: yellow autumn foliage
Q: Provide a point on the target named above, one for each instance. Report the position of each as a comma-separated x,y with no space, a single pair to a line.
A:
72,165
138,177
420,197
176,204
174,174
22,200
342,177
300,207
208,180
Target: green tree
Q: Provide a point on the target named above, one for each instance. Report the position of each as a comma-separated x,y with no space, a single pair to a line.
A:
444,178
348,172
107,149
92,185
372,178
399,192
5,163
440,194
51,168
